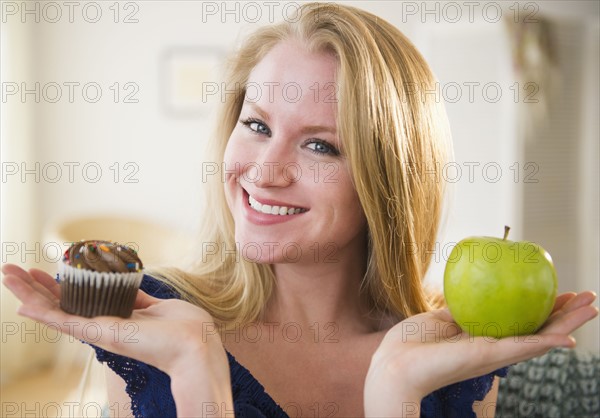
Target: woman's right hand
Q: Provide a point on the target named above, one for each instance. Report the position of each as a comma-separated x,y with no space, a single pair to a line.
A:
169,334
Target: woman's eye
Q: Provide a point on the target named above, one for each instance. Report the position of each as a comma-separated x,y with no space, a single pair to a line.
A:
322,147
256,126
259,127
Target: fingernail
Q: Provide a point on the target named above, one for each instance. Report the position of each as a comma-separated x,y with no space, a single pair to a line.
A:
571,342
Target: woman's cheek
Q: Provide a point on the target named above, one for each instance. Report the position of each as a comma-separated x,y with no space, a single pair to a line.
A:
234,159
343,187
331,174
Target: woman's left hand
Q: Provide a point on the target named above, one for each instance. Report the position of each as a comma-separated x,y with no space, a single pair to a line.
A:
428,351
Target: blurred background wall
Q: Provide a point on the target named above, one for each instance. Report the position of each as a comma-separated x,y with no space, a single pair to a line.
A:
106,107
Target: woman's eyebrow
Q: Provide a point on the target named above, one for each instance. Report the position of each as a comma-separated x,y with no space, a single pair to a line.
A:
308,130
263,114
317,129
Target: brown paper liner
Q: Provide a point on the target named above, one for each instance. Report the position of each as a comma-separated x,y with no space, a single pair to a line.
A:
89,293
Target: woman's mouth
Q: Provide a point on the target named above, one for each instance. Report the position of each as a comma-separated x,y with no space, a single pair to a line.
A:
273,209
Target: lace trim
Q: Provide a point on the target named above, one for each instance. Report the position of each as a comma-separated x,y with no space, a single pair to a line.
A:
456,400
154,399
247,391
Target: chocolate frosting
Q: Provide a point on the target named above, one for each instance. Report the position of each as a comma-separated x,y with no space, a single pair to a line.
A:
102,256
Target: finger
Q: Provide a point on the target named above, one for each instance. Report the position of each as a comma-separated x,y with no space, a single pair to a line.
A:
443,314
434,326
449,329
562,299
529,346
143,300
570,321
582,299
46,280
574,303
34,305
26,293
11,269
507,351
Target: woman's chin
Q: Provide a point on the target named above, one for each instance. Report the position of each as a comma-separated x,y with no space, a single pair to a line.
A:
268,250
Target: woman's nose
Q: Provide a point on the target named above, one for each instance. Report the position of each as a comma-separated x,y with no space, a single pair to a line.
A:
272,168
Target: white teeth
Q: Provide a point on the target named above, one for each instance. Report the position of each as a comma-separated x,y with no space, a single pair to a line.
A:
272,210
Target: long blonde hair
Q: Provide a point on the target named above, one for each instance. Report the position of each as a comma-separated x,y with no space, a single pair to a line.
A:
395,139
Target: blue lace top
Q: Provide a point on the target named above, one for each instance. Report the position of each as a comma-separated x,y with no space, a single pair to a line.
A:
150,390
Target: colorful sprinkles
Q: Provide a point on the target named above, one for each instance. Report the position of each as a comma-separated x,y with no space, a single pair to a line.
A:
95,248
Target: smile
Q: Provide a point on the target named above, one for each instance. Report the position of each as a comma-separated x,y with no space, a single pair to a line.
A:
273,209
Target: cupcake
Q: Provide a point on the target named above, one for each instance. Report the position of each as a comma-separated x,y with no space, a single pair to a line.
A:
99,278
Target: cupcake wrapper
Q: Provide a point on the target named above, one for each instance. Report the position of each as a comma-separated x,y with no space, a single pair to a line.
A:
90,293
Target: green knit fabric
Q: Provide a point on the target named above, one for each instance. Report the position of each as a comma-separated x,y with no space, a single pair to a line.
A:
562,383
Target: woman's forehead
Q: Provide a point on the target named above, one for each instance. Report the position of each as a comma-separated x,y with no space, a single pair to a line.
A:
289,65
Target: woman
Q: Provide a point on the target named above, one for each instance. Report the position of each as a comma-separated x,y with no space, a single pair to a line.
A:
308,276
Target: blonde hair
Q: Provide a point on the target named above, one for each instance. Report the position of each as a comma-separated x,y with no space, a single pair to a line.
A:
395,141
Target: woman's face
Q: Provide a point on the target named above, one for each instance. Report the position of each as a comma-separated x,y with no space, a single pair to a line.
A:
287,185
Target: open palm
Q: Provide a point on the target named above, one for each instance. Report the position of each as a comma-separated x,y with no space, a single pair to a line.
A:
429,351
158,331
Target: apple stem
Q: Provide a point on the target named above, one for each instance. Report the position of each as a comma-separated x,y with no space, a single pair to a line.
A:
506,229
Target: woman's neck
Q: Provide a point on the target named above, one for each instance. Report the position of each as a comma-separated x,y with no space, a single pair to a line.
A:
323,293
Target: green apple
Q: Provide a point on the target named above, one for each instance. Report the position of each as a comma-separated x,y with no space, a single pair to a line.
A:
499,288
